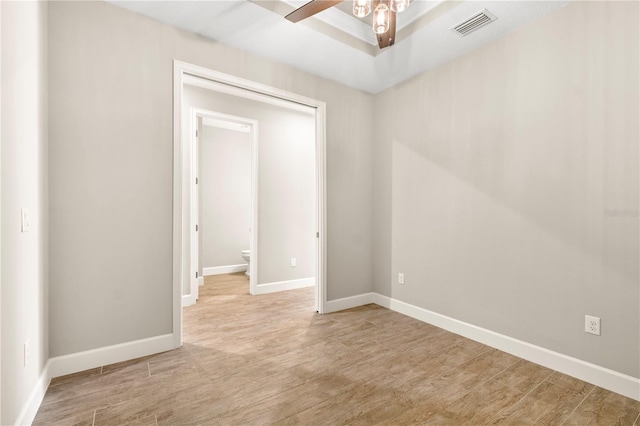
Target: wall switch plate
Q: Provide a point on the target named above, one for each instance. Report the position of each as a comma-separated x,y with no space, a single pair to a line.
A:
592,325
400,278
294,262
25,220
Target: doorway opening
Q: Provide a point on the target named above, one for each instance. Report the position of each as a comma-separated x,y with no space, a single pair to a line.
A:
224,197
185,265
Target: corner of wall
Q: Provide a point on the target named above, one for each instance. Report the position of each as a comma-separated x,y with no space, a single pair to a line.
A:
24,117
600,376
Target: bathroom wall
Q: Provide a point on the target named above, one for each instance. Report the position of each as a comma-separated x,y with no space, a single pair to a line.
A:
286,181
225,195
507,185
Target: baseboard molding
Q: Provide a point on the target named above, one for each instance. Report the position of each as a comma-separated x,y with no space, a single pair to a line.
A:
285,285
229,269
600,376
349,302
201,281
188,300
31,406
81,361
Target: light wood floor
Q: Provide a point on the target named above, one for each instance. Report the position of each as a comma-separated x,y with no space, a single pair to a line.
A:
271,360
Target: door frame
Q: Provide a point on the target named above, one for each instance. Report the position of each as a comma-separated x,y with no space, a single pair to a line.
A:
181,206
253,239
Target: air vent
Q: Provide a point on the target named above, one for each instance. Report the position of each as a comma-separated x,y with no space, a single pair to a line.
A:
478,20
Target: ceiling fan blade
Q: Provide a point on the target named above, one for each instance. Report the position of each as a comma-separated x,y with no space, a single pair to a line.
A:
310,9
389,38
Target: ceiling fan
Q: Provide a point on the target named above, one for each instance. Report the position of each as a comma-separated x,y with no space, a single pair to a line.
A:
384,15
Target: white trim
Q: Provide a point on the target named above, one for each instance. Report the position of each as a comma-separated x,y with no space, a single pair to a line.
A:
321,208
1,211
228,269
600,376
253,135
188,300
33,402
255,205
194,213
240,87
192,78
224,124
349,302
178,201
81,361
201,281
285,285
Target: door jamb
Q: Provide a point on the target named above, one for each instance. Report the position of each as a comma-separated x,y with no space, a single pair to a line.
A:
181,236
253,134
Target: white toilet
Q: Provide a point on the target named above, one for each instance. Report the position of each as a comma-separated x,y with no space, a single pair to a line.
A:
246,255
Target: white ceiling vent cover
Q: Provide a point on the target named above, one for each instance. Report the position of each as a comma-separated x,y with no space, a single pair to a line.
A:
477,21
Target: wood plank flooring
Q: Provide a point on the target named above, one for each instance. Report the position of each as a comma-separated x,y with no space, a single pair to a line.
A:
258,360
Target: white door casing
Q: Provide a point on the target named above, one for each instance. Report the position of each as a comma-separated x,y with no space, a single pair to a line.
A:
253,134
183,158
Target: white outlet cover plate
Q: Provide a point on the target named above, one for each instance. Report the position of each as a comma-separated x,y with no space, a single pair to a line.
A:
592,325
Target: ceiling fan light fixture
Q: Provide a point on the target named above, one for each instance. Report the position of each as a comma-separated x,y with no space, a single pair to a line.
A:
399,5
381,18
361,8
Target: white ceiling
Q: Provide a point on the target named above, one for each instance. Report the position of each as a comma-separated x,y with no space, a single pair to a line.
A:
338,46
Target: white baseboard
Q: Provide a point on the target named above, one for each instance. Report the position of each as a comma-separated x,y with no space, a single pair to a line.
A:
31,406
349,302
201,281
600,376
217,270
188,300
81,361
285,285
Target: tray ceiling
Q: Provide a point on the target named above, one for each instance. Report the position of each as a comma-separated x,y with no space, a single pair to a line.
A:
338,46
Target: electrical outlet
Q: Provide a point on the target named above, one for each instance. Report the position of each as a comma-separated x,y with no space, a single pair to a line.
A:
400,278
592,325
27,352
294,262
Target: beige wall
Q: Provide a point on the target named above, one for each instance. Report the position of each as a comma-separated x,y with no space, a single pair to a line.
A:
24,185
111,170
492,174
225,195
495,176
